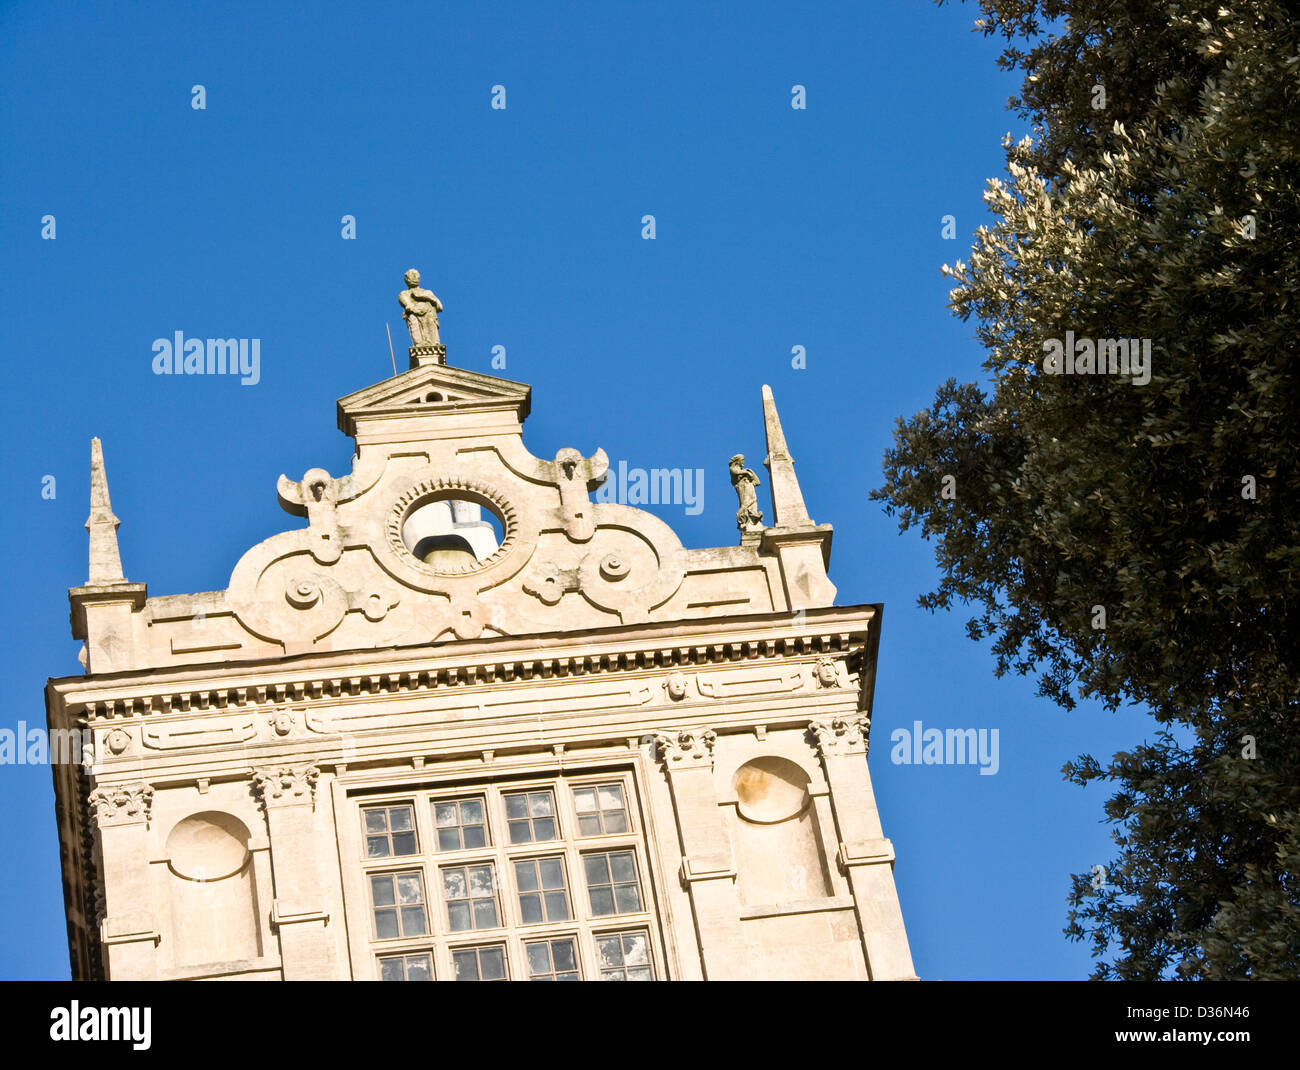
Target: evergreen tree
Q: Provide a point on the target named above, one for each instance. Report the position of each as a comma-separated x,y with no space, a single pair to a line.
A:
1140,543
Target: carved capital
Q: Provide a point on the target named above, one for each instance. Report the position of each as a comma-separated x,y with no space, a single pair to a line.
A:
686,749
285,785
841,735
121,804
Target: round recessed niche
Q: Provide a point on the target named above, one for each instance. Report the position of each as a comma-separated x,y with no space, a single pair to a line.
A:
207,846
770,789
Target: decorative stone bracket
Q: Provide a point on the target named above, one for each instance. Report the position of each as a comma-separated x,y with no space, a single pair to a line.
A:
706,869
129,929
294,913
864,853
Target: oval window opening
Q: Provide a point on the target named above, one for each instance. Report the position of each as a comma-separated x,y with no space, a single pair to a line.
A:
452,533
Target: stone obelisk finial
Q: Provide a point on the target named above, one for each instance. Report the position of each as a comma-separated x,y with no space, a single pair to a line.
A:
788,508
420,309
105,560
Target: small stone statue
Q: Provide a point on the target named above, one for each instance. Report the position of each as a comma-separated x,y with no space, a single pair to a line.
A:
420,308
748,516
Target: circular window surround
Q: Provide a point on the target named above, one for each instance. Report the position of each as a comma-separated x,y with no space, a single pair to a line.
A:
439,488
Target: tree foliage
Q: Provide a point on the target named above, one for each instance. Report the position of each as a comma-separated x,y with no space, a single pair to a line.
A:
1172,214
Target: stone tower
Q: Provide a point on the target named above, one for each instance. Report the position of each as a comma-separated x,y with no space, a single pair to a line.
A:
470,723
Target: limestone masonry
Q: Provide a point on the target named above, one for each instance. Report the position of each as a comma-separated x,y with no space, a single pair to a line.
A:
470,723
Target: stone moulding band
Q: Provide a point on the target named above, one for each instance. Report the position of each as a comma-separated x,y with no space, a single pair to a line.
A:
324,686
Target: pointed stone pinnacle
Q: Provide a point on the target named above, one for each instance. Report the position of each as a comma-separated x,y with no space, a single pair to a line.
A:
788,509
105,561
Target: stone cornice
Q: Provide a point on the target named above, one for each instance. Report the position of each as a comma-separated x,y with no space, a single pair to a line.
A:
304,678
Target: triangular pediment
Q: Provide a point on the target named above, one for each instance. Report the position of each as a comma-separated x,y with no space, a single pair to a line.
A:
432,390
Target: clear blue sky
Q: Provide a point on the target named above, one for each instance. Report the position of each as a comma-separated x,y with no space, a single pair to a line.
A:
775,228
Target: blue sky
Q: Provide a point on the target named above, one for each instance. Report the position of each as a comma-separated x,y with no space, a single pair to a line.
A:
775,227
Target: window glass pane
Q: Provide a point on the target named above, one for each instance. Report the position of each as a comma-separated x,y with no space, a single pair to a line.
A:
466,963
640,973
602,901
404,843
480,880
390,970
526,876
474,836
516,806
539,804
485,914
636,949
412,921
589,825
410,888
611,797
610,950
557,906
616,821
471,812
543,828
539,958
458,916
492,963
629,898
623,865
376,846
565,956
530,908
552,873
449,839
597,869
520,831
382,890
375,821
444,813
386,924
453,880
419,968
400,818
584,800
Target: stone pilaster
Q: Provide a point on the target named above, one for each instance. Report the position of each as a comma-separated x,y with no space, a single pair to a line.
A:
863,853
299,913
127,930
708,869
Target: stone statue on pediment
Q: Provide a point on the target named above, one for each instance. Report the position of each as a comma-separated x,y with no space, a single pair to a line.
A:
748,516
420,309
